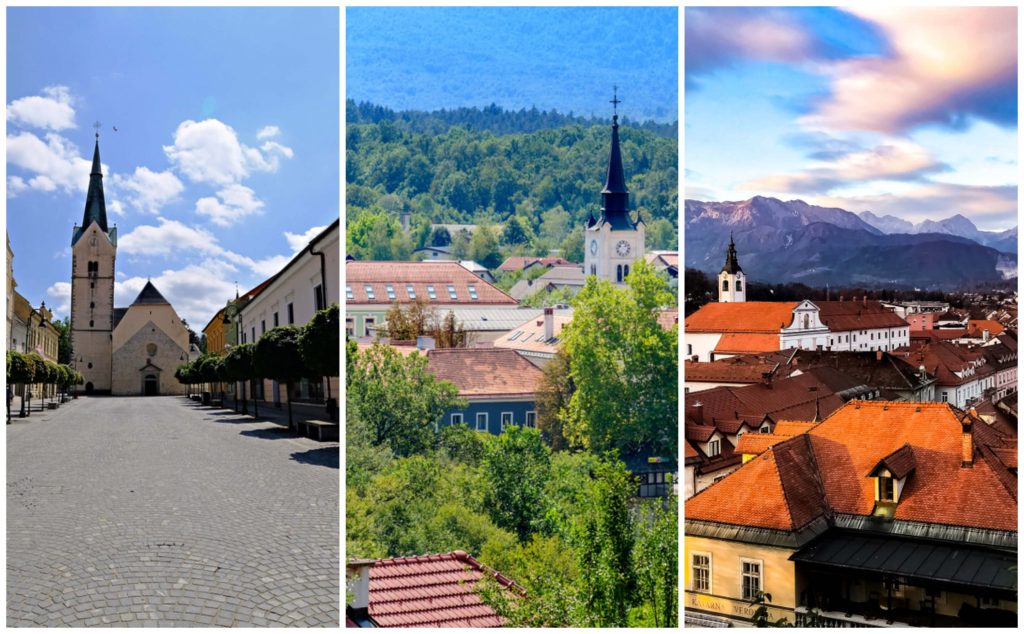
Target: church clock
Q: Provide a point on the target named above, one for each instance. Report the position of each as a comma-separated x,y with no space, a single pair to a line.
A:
593,247
622,248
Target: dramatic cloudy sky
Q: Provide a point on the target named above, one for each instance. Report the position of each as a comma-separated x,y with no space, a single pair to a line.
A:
910,111
225,158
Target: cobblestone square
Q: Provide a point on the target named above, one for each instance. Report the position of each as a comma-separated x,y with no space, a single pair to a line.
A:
158,512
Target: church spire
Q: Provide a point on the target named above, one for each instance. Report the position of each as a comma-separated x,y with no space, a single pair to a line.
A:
732,265
615,196
95,206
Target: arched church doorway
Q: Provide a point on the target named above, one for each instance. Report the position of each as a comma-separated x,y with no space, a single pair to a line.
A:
151,387
88,387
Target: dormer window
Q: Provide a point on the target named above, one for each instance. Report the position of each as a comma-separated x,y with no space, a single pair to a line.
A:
714,448
890,475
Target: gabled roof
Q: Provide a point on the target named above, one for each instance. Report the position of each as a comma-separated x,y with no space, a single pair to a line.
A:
149,295
899,463
824,472
379,275
747,343
485,372
432,591
520,262
742,317
976,327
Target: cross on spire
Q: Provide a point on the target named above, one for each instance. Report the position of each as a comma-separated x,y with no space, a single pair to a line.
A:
97,125
615,102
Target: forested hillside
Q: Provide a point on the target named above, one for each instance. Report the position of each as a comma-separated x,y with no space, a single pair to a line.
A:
543,183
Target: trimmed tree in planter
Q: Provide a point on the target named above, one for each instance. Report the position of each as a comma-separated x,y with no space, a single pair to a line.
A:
21,369
319,345
278,358
41,373
240,368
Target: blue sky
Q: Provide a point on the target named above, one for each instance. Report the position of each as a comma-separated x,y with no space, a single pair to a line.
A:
904,111
563,58
225,157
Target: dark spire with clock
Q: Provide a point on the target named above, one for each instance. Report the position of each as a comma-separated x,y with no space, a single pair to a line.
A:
615,196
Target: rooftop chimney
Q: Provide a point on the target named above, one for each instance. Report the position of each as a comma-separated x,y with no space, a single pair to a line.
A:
878,355
967,441
358,582
698,412
985,335
766,378
549,323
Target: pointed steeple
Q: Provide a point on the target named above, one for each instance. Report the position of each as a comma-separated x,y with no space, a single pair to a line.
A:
95,205
732,264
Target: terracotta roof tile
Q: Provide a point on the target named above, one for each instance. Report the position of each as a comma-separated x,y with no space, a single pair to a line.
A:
899,463
792,427
857,315
729,370
520,262
419,275
529,336
758,443
485,371
747,343
976,327
784,486
762,317
431,591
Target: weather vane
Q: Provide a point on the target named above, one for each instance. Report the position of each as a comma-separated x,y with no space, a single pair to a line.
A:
615,101
97,125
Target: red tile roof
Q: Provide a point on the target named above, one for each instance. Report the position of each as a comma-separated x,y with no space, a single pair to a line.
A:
857,315
976,327
730,370
826,471
944,359
378,275
520,262
763,317
431,591
668,318
486,372
747,343
758,443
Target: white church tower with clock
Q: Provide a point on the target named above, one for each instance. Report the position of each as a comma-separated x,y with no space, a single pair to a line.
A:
614,241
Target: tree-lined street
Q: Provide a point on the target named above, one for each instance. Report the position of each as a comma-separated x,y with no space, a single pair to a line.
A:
156,511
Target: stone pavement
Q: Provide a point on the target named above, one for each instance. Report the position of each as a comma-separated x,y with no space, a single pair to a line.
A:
155,511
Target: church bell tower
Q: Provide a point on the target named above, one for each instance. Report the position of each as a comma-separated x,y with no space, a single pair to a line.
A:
93,250
613,242
732,283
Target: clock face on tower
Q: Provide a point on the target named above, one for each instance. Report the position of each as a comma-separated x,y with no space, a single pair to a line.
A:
593,247
622,248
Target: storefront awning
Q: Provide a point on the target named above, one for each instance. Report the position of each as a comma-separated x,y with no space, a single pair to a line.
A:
962,565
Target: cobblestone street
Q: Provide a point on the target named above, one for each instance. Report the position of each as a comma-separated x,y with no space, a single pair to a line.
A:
155,511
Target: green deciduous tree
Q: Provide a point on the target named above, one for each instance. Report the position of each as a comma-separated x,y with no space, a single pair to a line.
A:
399,398
553,397
320,343
240,366
278,357
516,466
623,365
483,247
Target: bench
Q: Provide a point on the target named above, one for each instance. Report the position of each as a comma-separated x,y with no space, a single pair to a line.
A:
52,405
321,430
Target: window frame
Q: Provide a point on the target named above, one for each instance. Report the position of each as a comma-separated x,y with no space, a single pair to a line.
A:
694,586
714,447
744,575
531,418
453,421
486,420
511,420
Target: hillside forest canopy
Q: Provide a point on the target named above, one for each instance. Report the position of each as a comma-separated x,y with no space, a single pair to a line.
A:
494,167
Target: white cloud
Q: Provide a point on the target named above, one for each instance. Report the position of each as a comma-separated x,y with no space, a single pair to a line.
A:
60,295
209,152
149,190
946,62
15,185
232,204
197,291
54,162
298,241
53,111
268,132
169,237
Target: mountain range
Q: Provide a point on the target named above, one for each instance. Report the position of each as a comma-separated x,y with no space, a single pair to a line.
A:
793,241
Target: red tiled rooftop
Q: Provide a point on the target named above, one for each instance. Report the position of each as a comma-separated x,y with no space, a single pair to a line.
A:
976,327
857,315
431,591
420,275
763,317
485,371
758,443
825,470
520,262
729,370
747,343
